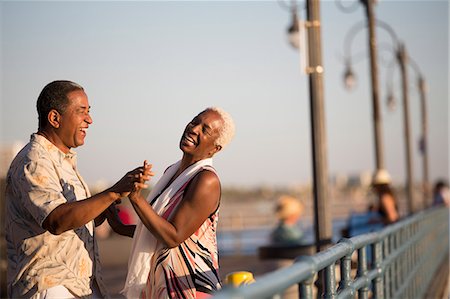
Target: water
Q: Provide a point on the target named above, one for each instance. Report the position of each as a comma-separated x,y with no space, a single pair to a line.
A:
247,241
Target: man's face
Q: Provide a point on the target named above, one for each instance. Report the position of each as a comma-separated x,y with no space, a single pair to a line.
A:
200,135
74,121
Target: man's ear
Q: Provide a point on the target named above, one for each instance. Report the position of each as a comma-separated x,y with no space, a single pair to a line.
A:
54,118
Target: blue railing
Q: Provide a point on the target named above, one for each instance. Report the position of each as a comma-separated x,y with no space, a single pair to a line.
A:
396,262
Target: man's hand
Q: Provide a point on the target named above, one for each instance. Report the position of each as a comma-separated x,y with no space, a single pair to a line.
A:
134,179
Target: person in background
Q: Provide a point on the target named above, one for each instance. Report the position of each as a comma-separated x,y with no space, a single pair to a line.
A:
174,252
441,194
50,213
288,211
386,204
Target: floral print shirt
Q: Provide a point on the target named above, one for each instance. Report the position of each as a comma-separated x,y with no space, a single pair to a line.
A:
41,178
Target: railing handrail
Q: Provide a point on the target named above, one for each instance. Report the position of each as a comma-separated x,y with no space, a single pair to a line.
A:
400,244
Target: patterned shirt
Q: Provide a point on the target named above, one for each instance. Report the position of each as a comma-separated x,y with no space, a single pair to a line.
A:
190,270
42,177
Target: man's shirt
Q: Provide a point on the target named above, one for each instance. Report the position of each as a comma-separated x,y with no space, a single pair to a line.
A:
41,178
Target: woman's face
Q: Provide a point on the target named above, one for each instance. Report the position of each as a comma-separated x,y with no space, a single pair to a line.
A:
200,135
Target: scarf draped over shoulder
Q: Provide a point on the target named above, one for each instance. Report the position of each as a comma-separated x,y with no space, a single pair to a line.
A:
144,243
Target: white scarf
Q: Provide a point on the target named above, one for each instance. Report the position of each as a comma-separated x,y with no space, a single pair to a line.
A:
144,243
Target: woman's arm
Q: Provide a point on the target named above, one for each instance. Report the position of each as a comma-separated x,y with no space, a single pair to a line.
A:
389,207
200,200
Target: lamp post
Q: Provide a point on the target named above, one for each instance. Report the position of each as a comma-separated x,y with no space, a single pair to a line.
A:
404,60
377,129
424,140
322,219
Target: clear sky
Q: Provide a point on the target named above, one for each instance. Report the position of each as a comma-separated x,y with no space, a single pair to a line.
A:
149,67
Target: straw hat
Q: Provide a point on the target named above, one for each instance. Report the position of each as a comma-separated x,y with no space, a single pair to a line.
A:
381,177
288,206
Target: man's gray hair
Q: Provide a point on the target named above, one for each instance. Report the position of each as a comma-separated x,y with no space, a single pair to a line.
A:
227,130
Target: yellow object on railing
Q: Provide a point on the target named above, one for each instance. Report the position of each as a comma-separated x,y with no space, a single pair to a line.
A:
236,279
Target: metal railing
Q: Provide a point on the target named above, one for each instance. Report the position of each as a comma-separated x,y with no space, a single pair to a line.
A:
396,262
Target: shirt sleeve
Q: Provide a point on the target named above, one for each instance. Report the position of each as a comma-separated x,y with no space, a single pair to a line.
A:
42,189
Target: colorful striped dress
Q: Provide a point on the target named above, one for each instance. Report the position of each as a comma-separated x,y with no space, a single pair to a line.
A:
189,270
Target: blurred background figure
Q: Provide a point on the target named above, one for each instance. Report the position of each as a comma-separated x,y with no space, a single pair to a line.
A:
386,205
441,194
288,211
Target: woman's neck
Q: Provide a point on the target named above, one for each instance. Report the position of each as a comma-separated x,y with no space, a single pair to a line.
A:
186,161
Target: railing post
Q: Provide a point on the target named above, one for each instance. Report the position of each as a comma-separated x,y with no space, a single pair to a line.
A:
397,264
346,268
305,288
330,282
387,269
377,259
362,271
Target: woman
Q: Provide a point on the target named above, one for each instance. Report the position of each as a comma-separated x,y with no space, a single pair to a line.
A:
387,204
174,252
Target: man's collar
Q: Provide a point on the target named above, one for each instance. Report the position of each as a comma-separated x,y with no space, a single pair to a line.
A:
54,152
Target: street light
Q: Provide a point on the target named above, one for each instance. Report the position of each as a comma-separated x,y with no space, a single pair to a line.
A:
322,220
294,29
402,58
349,76
423,146
377,129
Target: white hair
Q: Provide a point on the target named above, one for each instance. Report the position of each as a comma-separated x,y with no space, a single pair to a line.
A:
227,130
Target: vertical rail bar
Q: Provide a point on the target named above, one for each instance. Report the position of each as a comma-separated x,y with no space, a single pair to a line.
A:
346,268
362,271
305,288
377,259
330,282
387,289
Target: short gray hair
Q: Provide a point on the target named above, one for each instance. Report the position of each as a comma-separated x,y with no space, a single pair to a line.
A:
54,96
226,132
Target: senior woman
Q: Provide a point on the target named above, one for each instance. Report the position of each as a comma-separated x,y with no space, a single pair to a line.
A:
174,252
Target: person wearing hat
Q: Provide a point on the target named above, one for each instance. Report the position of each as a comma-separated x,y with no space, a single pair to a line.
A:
288,211
387,205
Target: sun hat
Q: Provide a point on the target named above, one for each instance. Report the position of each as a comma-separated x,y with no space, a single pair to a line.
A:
288,206
381,177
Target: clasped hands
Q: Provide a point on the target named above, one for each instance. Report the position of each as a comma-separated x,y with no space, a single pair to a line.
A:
130,185
143,177
133,181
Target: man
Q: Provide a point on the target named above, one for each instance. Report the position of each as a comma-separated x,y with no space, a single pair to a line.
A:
50,214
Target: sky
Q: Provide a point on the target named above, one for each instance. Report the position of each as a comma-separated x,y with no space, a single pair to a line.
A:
149,67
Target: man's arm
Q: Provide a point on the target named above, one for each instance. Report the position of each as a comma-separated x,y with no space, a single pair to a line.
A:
200,200
72,215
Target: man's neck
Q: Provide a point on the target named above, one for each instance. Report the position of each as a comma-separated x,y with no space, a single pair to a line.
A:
53,138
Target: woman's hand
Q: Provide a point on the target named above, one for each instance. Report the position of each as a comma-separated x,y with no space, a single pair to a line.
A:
134,179
139,185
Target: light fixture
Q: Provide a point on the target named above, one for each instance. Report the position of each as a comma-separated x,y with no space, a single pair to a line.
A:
349,77
294,31
390,101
